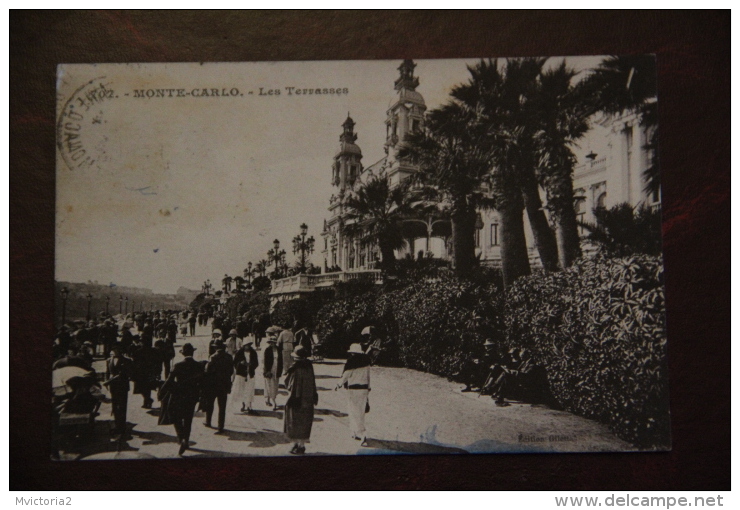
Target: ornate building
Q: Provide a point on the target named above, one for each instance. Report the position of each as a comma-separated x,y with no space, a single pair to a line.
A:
611,162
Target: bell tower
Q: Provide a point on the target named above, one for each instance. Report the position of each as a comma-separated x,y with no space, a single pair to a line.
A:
405,116
347,166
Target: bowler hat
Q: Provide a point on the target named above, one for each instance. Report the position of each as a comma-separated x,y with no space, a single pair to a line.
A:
219,344
355,349
187,349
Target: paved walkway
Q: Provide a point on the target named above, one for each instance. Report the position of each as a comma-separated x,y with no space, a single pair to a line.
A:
411,412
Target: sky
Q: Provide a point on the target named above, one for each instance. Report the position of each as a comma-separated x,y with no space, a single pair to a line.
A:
163,192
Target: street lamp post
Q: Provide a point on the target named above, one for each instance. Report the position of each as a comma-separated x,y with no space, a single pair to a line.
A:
248,274
125,309
276,255
107,304
65,293
89,300
303,246
120,305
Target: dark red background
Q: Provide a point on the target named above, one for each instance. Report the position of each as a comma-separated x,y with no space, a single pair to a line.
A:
693,51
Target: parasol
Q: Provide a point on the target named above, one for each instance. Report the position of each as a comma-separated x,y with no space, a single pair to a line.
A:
60,376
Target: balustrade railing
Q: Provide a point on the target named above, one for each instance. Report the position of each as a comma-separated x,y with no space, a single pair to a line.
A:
308,282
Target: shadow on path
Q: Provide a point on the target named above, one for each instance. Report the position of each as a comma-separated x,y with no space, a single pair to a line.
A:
330,412
262,439
212,453
322,376
321,388
154,437
267,414
401,447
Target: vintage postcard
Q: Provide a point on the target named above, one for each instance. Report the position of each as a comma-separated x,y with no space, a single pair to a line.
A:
358,258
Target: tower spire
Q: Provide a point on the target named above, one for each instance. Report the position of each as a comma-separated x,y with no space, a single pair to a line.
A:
406,78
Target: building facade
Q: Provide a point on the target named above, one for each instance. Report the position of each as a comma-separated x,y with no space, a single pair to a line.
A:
611,162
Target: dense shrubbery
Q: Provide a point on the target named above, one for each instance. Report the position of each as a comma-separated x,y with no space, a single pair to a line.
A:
304,310
433,325
599,330
256,305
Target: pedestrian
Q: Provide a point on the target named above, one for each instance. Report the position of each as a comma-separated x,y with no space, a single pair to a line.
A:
146,370
304,339
371,343
299,409
183,385
191,322
118,375
272,368
215,338
356,380
242,328
258,333
233,343
219,371
245,367
286,343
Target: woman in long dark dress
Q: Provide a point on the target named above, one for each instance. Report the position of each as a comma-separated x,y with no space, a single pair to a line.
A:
299,409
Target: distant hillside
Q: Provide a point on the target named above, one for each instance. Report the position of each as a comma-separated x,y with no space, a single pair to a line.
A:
115,298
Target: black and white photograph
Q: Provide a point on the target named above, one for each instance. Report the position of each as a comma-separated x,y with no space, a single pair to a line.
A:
371,257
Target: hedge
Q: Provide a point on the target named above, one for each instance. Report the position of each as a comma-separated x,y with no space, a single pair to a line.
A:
599,330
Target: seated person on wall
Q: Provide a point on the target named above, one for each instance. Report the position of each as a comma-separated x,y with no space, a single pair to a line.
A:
475,373
519,379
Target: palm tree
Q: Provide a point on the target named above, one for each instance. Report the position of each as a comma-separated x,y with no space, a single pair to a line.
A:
261,267
629,84
505,97
375,212
452,151
564,119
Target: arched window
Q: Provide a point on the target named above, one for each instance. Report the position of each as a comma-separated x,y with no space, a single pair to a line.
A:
601,201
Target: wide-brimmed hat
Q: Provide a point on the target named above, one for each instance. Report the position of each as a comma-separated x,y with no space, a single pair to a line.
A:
368,330
355,349
247,342
273,329
219,345
299,352
232,332
216,332
271,341
187,349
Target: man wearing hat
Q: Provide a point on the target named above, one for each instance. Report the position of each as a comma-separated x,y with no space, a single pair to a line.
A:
371,343
219,371
118,375
184,384
285,342
232,343
273,367
475,373
215,337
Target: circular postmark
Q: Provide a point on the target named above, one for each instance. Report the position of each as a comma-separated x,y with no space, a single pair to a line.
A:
81,135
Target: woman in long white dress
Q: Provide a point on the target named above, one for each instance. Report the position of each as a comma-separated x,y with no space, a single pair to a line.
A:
356,380
245,366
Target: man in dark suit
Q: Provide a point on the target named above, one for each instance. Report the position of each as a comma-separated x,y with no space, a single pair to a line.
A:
220,372
120,370
184,384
